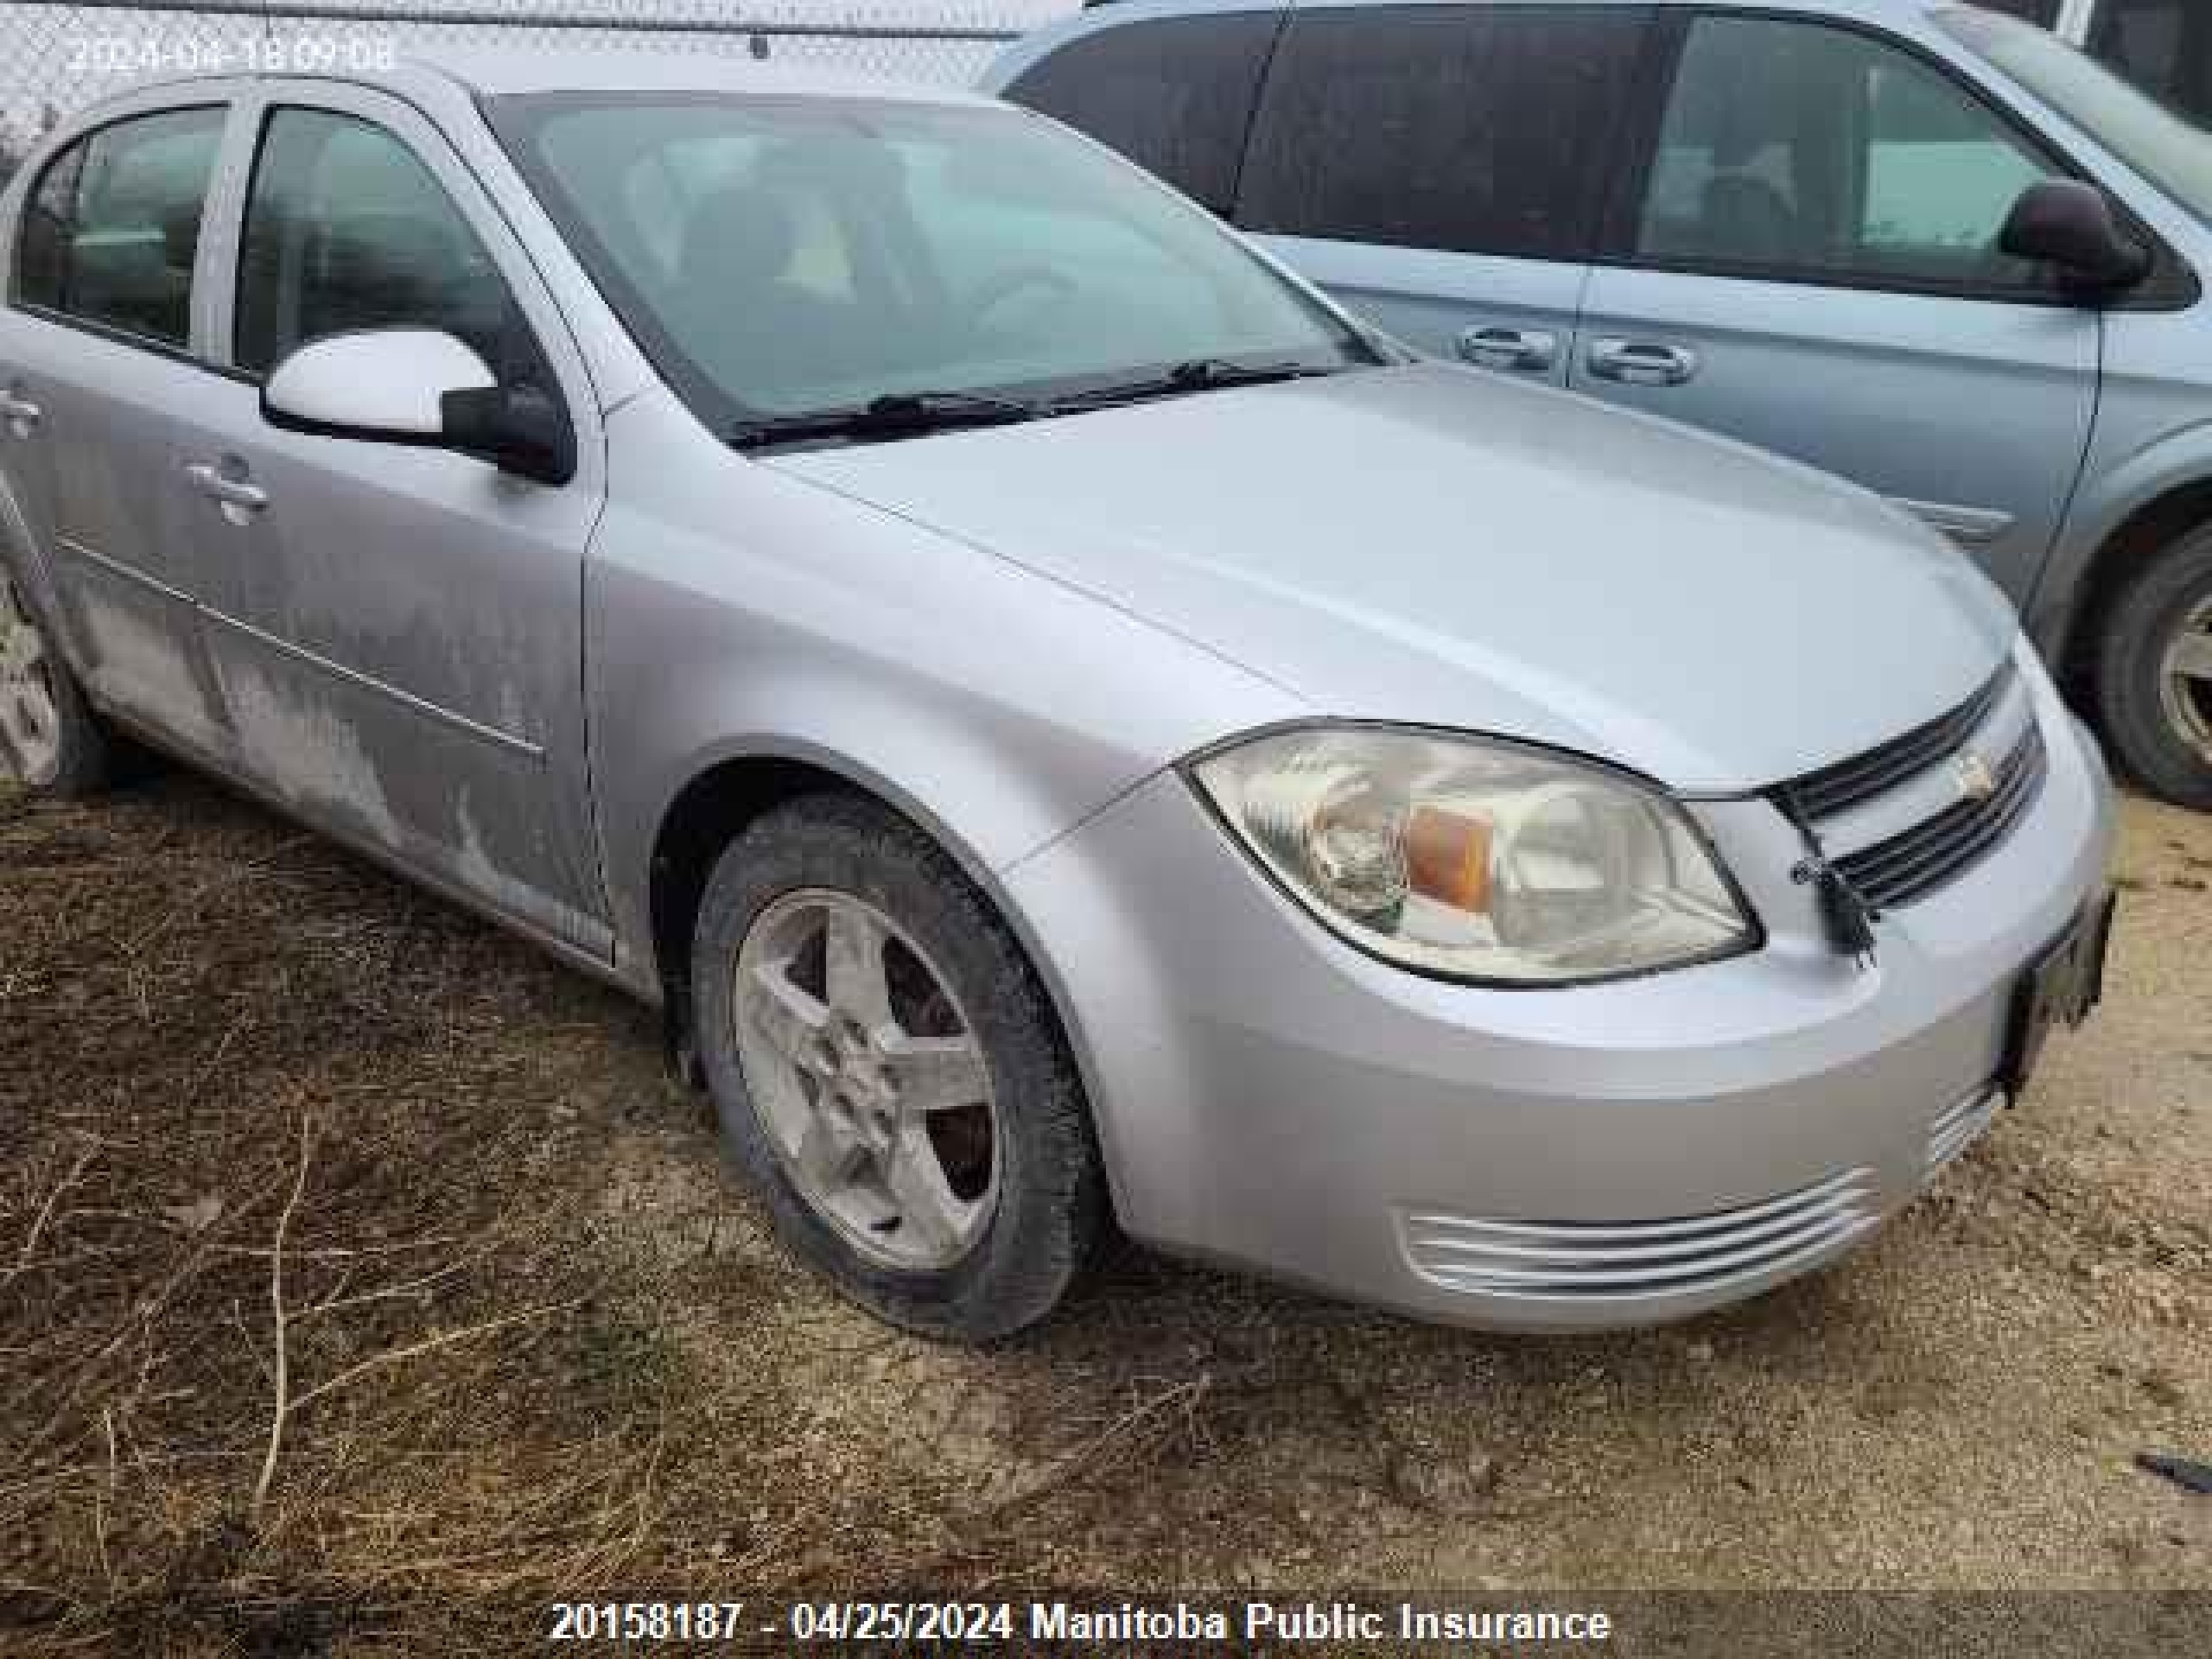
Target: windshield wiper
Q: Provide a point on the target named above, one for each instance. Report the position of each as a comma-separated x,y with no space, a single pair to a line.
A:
895,415
1199,374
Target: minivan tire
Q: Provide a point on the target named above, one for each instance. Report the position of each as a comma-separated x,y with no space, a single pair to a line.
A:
84,758
1050,1208
2132,683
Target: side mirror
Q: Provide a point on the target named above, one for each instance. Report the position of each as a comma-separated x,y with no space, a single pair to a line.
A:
2068,224
519,430
418,386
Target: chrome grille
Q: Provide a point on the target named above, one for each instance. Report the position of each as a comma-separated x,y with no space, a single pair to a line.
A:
1909,866
1624,1261
1848,783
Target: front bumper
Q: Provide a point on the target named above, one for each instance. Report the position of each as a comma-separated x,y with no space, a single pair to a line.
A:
1553,1160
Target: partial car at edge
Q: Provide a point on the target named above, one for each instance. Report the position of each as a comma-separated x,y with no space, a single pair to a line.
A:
1915,243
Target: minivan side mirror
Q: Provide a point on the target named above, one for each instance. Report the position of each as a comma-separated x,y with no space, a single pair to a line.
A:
2068,224
419,386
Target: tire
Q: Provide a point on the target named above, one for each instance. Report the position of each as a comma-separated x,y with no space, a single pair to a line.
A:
50,739
2159,721
819,1099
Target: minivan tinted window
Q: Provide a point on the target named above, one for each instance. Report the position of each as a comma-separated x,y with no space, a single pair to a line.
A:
113,225
1480,129
2162,45
1174,95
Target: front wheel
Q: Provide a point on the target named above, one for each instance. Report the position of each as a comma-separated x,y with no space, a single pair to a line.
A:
2154,673
49,738
889,1073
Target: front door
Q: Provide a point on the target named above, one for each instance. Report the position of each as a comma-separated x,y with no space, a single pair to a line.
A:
1811,265
397,630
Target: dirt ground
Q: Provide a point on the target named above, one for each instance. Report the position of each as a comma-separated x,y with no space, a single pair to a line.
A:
538,1346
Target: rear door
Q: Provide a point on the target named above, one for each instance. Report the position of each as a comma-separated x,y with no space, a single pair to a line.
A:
1804,256
1441,167
103,365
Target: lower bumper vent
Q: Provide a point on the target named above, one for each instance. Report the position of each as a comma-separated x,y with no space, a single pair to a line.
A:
1603,1261
1954,1131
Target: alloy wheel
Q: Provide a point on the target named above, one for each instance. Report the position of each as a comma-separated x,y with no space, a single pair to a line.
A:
868,1079
30,711
2185,679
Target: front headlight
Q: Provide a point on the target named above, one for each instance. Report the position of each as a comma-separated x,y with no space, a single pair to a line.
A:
1477,861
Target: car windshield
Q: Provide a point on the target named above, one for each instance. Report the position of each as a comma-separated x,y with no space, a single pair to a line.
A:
2156,141
782,257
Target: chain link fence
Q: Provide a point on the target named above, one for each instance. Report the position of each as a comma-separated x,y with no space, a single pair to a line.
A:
55,57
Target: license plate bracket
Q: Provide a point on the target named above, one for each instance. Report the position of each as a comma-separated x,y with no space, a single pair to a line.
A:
2062,986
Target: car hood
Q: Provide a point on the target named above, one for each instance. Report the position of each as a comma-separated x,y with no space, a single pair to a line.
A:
1434,546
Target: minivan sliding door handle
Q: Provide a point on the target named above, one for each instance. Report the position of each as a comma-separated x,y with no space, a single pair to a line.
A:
1531,350
1640,362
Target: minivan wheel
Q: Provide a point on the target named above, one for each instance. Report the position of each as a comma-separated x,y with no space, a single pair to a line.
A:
49,738
2154,673
890,1074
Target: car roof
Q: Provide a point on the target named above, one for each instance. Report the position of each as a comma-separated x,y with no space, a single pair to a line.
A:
1106,11
496,71
439,76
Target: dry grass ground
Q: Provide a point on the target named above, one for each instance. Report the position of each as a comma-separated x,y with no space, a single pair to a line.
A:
538,1346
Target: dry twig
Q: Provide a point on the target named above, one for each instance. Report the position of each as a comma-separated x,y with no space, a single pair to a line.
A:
392,1357
282,1379
1065,1468
45,1212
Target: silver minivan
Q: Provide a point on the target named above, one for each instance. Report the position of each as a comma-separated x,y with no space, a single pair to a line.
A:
1923,244
1068,723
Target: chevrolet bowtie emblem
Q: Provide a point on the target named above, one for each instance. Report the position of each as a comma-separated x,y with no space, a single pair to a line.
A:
1975,777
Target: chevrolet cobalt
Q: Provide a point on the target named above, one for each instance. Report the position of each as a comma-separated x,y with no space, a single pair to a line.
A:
1073,729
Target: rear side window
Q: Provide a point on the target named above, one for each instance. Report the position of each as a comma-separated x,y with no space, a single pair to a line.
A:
112,226
1175,95
1479,129
347,230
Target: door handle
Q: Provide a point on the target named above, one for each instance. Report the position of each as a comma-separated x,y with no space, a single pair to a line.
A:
20,414
1530,350
219,485
1639,362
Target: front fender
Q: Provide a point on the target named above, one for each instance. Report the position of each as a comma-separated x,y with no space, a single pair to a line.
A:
2111,494
736,611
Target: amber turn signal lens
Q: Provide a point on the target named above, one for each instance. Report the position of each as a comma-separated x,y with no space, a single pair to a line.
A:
1447,857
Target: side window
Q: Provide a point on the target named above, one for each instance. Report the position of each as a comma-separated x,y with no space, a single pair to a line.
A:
1174,96
1480,129
1795,150
112,225
2162,45
347,230
2036,11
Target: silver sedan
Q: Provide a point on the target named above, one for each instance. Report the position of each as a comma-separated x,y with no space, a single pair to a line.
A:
1070,726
